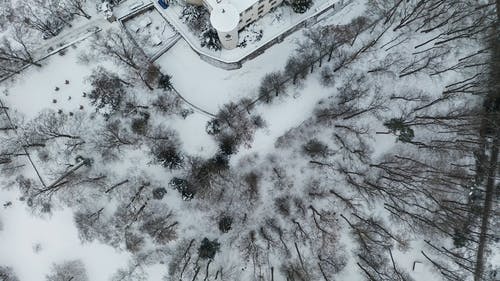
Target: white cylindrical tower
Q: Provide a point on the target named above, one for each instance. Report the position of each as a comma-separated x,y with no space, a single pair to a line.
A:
225,18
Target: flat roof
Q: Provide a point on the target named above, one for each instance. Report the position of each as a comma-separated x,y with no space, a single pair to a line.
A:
224,17
240,5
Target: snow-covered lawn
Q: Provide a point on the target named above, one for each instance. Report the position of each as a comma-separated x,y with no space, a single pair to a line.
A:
45,87
208,86
30,244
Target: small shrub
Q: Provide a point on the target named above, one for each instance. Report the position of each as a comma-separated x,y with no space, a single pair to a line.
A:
252,180
208,248
165,82
195,17
182,185
133,242
62,52
301,6
283,205
140,125
210,39
159,193
213,127
186,112
397,127
327,77
169,157
315,148
225,224
258,121
228,144
459,238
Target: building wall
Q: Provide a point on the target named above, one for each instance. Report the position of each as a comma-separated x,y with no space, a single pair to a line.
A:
229,40
257,10
195,2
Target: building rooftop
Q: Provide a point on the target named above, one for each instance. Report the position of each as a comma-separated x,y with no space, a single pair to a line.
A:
240,5
224,17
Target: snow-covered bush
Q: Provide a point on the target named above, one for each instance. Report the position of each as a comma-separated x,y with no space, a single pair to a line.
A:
165,82
225,224
195,17
301,6
208,249
184,187
7,274
210,39
108,90
398,127
315,148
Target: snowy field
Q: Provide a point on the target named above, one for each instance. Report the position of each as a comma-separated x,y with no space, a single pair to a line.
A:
31,244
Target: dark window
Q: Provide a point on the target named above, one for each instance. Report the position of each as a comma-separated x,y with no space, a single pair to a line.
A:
273,3
248,20
261,7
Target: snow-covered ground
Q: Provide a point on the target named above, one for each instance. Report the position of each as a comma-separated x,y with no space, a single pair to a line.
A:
30,244
46,87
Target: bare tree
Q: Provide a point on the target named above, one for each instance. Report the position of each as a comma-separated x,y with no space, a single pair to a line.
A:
108,90
272,84
7,274
70,270
76,8
116,46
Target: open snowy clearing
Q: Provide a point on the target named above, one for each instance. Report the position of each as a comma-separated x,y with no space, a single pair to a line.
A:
31,244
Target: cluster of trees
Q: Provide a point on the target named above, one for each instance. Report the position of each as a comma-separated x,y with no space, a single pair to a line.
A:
197,18
28,24
49,17
115,46
425,181
283,213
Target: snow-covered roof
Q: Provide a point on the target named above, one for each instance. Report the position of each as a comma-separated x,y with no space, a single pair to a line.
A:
240,5
224,17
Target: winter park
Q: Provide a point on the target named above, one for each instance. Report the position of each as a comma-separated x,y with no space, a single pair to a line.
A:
249,140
